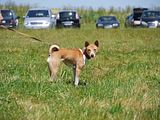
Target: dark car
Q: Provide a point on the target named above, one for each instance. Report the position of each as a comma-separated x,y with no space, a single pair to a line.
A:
67,18
9,19
107,22
150,19
133,20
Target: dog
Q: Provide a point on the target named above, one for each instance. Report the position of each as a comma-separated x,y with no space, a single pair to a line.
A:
75,57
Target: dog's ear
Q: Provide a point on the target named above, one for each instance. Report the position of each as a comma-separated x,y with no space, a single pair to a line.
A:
96,43
86,43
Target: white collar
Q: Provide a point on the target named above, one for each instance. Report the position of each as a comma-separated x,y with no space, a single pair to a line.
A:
84,57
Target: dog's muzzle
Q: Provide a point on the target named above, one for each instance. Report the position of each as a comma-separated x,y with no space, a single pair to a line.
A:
92,55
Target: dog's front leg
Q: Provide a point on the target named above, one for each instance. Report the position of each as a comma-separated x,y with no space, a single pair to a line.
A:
77,71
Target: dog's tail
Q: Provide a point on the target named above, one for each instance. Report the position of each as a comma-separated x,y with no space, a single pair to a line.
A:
53,48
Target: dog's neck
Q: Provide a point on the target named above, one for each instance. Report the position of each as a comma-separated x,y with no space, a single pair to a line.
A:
85,53
87,56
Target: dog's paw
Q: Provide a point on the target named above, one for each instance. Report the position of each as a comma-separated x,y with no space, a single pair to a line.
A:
83,83
51,80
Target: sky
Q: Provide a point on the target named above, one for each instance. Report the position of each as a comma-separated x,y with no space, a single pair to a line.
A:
88,3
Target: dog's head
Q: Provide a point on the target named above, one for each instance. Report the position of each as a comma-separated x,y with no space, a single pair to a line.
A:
91,49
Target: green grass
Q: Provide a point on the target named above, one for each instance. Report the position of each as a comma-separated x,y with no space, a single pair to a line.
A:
123,81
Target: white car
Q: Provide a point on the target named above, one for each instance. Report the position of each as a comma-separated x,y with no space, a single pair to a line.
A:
39,19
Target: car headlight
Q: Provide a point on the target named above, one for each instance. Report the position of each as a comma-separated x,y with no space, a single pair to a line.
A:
144,23
156,23
100,25
47,22
115,24
26,23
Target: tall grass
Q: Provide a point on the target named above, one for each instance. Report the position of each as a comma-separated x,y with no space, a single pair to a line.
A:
122,82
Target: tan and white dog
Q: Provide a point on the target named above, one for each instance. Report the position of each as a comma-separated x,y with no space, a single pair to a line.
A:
75,57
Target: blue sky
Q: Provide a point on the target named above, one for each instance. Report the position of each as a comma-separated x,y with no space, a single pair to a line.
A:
88,3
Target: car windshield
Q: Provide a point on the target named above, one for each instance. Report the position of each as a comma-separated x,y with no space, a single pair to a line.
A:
151,14
7,14
137,12
109,18
67,15
38,13
137,15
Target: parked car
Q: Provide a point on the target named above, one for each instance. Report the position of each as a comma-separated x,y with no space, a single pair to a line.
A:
68,18
9,19
133,19
38,18
150,19
107,22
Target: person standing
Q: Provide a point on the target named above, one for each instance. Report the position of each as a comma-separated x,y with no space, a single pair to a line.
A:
1,17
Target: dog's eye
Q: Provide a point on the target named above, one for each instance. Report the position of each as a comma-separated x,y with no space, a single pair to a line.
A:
89,50
95,50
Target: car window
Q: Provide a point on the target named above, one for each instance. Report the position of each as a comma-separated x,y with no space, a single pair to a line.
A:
67,15
107,19
151,14
38,13
137,12
6,14
137,15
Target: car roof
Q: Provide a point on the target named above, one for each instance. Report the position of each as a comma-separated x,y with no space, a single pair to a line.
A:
68,11
107,16
7,10
135,9
39,9
151,11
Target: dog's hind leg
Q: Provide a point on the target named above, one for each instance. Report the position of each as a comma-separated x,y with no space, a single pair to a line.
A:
53,68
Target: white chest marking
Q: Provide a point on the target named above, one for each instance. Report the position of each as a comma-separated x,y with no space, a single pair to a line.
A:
84,57
49,59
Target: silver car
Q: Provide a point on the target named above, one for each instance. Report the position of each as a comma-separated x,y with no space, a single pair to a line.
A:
39,19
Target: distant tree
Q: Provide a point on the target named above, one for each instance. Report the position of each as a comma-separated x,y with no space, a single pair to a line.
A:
10,3
128,9
156,8
111,10
101,11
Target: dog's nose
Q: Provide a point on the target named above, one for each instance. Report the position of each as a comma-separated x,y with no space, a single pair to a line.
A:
92,56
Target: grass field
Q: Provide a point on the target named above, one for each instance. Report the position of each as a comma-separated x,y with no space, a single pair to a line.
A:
122,82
